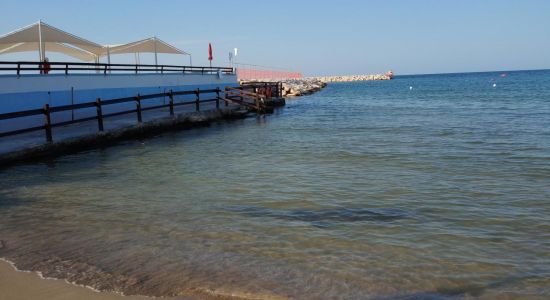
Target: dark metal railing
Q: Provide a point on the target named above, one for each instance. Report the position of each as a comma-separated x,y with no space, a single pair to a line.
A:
262,86
29,67
254,96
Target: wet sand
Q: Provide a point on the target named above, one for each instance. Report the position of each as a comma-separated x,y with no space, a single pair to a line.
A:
17,285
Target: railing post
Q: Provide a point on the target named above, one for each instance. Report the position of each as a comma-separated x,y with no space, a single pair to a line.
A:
162,69
48,123
138,108
197,92
66,69
99,114
105,70
241,97
171,103
136,68
225,95
218,98
18,69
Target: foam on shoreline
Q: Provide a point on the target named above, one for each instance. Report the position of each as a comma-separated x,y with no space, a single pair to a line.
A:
18,284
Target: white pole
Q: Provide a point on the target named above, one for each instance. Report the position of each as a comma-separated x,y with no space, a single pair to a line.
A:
235,50
190,60
235,65
40,46
156,60
109,58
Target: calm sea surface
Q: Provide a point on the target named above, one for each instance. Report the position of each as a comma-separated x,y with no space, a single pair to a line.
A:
368,190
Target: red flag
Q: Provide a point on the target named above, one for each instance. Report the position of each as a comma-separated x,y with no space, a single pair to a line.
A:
210,52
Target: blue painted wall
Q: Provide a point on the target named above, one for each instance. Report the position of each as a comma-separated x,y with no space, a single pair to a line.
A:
25,100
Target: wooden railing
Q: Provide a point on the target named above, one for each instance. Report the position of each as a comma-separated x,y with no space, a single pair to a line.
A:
262,86
251,96
239,96
33,67
46,111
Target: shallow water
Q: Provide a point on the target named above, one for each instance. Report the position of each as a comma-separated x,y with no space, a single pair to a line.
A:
363,190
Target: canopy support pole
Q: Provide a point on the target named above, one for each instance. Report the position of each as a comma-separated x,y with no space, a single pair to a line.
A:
109,58
156,59
41,50
97,64
190,60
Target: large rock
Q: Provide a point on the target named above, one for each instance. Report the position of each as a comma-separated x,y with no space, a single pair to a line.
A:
296,87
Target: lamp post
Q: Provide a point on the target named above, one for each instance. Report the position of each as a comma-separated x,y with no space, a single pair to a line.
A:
235,52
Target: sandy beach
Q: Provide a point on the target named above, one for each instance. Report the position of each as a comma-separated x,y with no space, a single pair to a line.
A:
20,285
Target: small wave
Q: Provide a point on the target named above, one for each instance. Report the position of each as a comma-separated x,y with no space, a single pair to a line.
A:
41,275
234,295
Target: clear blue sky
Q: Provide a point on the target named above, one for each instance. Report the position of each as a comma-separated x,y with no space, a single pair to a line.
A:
316,37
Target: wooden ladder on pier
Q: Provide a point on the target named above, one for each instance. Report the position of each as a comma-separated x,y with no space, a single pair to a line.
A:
250,100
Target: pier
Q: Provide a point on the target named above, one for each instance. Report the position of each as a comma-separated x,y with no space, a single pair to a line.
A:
116,119
51,108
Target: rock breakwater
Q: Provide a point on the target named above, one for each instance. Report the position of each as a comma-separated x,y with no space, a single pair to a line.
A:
295,87
308,85
348,78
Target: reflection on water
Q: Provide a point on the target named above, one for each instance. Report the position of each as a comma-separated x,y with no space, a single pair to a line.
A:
364,190
323,217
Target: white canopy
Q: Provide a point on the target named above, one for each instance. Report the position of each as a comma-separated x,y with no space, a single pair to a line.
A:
40,35
51,47
149,45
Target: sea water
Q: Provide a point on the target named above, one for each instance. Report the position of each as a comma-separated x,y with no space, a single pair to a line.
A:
367,190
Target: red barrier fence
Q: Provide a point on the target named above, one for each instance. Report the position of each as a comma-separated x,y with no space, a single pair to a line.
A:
246,74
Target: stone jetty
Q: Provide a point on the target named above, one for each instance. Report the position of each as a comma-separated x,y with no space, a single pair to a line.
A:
308,85
348,78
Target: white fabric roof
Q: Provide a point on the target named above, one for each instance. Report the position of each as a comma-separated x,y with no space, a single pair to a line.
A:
50,47
42,37
149,45
42,32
